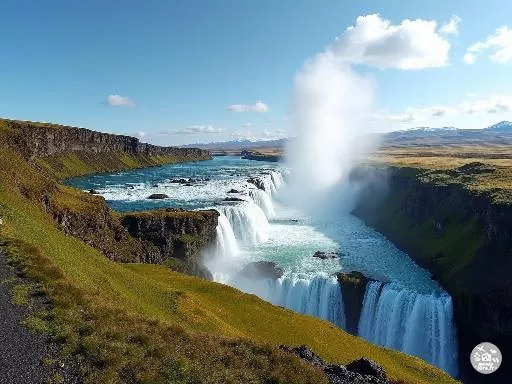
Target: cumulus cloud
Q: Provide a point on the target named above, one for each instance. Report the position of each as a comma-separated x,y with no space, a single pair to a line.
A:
256,107
194,130
499,44
412,44
120,101
451,27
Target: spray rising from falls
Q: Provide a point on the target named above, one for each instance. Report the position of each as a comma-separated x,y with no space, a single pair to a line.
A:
411,322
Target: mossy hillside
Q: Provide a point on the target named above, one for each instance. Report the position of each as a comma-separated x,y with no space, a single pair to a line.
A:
133,322
69,162
106,295
445,251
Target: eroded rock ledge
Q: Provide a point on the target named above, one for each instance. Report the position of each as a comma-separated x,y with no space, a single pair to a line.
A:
179,236
361,371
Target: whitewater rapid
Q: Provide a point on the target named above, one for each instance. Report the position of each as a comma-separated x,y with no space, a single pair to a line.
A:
410,312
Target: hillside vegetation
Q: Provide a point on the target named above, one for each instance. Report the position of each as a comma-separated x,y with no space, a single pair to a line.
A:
142,323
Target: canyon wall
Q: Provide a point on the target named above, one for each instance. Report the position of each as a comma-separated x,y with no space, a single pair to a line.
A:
464,238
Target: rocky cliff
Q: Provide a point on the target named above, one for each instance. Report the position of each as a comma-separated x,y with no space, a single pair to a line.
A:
68,151
464,238
179,236
36,157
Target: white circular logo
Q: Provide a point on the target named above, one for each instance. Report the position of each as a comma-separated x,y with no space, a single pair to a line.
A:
486,358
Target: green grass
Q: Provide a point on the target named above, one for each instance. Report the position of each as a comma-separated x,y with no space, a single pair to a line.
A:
147,324
117,315
443,165
20,294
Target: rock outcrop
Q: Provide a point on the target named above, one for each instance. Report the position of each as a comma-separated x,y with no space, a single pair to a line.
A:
464,238
63,152
50,139
353,288
326,255
177,235
361,371
256,181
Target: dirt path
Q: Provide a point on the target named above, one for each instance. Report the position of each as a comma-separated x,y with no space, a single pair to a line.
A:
24,355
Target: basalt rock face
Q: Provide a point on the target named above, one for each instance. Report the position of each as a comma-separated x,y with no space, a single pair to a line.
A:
362,371
43,140
353,288
177,234
463,238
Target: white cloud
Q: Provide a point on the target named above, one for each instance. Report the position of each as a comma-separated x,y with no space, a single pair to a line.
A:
500,44
259,135
256,107
141,135
194,130
495,104
412,44
246,125
452,27
120,101
404,118
469,58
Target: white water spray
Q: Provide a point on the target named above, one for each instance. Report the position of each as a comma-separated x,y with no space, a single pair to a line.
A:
331,105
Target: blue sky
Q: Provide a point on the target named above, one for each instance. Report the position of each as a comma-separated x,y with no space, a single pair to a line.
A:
200,71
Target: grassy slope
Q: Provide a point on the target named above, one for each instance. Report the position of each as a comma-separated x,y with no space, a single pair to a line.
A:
147,323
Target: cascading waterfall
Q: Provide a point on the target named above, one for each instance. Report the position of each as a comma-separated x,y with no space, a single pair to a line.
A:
249,223
277,179
263,200
415,323
226,245
319,296
391,316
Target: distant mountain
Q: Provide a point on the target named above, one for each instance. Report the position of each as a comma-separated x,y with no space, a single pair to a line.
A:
500,133
239,145
502,126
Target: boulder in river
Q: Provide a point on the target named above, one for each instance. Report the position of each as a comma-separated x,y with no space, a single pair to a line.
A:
233,191
327,255
233,199
257,182
93,192
261,270
158,196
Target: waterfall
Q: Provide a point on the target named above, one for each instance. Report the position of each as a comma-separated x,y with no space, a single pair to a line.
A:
319,296
249,223
277,179
415,323
263,200
226,245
